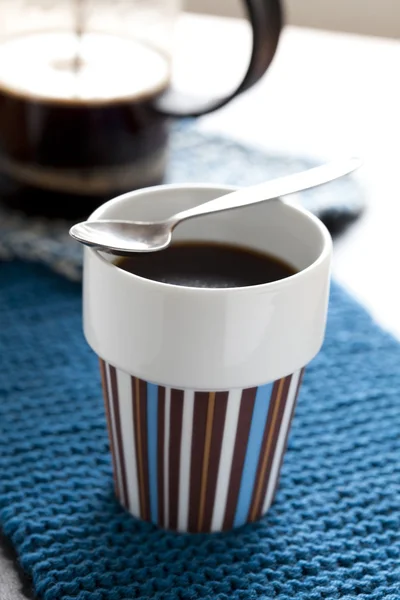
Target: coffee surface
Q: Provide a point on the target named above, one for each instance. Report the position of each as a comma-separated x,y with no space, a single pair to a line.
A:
207,265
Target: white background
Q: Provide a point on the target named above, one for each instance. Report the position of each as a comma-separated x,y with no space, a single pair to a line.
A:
371,17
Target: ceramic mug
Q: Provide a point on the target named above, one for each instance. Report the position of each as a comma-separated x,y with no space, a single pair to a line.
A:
200,384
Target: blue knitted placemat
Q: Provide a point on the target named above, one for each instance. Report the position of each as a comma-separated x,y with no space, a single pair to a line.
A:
333,531
194,156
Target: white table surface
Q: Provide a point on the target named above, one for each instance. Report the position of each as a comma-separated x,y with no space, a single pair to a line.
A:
326,94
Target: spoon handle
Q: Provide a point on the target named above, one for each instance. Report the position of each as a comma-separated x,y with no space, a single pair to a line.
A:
282,186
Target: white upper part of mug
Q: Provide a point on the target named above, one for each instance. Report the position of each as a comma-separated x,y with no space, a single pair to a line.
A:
211,339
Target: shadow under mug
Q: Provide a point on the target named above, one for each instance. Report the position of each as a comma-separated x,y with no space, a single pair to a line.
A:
200,385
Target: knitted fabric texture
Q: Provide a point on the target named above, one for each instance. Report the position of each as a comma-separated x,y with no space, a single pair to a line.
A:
333,531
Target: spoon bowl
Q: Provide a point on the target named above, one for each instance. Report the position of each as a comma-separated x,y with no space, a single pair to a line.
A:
129,237
124,237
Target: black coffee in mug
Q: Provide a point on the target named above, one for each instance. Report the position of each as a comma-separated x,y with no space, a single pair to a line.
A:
207,265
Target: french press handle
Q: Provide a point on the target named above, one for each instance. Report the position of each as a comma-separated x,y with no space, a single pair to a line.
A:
266,20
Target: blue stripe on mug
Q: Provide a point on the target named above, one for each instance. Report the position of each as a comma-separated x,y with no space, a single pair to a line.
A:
258,422
152,420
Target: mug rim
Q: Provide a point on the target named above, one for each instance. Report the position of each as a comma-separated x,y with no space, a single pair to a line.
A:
184,289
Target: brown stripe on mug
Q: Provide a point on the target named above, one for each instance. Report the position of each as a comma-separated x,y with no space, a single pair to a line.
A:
200,411
109,424
118,431
221,401
242,435
271,432
206,458
137,421
287,433
175,438
160,454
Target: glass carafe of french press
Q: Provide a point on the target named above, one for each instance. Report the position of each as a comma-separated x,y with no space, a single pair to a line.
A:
86,97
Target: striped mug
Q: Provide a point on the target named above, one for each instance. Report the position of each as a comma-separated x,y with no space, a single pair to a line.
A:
200,385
